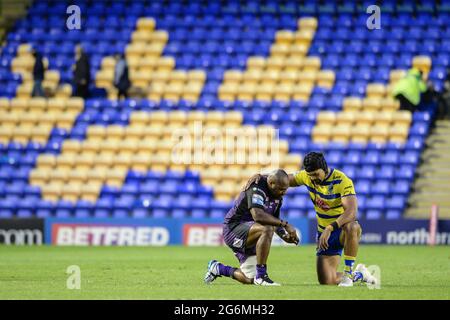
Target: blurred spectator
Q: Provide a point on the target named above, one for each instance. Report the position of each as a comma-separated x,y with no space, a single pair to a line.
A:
81,73
38,74
121,80
443,111
409,89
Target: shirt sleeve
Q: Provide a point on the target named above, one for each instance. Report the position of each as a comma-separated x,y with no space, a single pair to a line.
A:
346,187
256,197
299,177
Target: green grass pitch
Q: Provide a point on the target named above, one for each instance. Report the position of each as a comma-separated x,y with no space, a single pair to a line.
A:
407,272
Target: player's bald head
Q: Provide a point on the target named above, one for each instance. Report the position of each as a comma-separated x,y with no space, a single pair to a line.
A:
278,181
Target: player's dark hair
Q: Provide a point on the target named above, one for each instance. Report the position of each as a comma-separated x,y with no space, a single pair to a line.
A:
314,161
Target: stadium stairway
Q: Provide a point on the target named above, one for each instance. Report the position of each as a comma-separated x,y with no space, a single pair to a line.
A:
431,186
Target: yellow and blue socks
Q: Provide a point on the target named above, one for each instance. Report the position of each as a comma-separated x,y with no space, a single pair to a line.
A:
349,262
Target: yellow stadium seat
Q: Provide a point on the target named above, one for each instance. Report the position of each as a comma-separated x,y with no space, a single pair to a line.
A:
146,24
158,118
135,50
307,23
9,120
211,176
40,134
326,78
264,92
232,76
402,118
21,134
173,92
71,147
322,134
398,134
166,63
379,134
341,133
108,62
308,76
141,36
4,104
90,192
178,117
302,91
279,50
140,118
51,192
63,91
227,92
422,63
66,120
360,133
46,162
90,146
256,63
56,105
156,91
152,132
116,177
96,176
66,161
352,104
24,90
196,76
75,104
29,119
160,37
128,146
196,116
284,37
283,92
224,192
270,77
192,91
304,37
288,77
274,63
390,104
396,75
115,132
122,161
251,77
311,64
346,118
59,176
246,92
293,63
233,119
326,118
39,177
214,118
365,118
383,118
83,161
19,105
78,177
375,90
96,132
141,162
371,104
298,50
160,163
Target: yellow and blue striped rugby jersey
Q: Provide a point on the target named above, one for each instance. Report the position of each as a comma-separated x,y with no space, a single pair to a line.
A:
327,196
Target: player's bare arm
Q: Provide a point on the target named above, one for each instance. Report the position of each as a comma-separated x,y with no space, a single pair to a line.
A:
292,182
264,218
